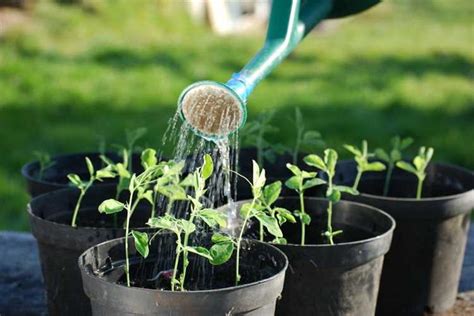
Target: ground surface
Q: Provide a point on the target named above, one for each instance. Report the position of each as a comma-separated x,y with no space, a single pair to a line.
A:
71,74
20,278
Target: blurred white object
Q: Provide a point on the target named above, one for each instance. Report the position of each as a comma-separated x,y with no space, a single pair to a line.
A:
231,16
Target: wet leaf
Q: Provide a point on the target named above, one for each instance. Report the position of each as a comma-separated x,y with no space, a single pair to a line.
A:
270,224
141,243
201,251
293,183
221,252
111,206
90,166
271,192
294,169
148,158
213,217
75,180
207,167
313,182
315,161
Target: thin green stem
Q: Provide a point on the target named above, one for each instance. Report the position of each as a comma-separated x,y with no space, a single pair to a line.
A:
303,225
331,241
76,208
419,188
357,179
127,261
176,262
239,241
388,177
153,207
185,253
261,231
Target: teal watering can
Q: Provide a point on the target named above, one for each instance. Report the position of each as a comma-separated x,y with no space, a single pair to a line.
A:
214,110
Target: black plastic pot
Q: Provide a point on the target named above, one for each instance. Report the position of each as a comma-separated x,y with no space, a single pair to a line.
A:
263,273
422,270
340,279
60,245
55,177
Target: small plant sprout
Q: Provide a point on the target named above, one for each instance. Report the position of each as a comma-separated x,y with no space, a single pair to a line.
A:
255,134
269,195
121,170
301,181
45,162
220,252
304,138
333,193
169,184
395,155
84,186
132,136
361,156
420,162
138,190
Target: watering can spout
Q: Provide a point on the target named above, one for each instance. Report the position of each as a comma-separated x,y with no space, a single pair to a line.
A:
215,110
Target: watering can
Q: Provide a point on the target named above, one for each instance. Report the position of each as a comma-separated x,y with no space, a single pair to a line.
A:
215,110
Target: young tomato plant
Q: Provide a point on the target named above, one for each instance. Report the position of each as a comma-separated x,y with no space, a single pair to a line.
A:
395,155
361,156
307,139
138,190
45,162
84,186
301,181
183,228
420,162
333,193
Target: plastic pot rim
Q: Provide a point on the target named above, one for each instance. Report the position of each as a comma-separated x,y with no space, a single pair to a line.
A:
181,293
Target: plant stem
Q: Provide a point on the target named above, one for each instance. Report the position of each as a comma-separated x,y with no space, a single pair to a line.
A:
239,240
176,262
76,208
185,253
303,228
261,231
127,262
419,188
153,207
357,179
386,185
331,241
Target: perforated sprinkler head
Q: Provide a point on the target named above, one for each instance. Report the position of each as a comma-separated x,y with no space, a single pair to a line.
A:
213,110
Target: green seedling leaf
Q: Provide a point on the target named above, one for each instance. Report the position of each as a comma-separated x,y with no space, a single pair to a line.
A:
207,167
382,154
313,182
305,218
188,181
293,183
220,238
406,166
75,180
221,252
284,213
111,206
213,218
271,192
187,227
141,243
90,166
330,158
270,224
280,241
294,169
148,196
165,222
315,161
245,210
148,158
375,166
201,251
307,175
355,151
104,173
334,196
343,188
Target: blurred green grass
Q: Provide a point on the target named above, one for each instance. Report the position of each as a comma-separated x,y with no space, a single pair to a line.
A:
70,75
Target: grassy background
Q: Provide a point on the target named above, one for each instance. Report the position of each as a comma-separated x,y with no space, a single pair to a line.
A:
70,75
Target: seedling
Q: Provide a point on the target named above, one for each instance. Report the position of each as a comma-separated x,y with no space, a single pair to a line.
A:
301,181
280,215
84,186
307,139
420,162
138,190
170,184
183,228
361,156
45,162
255,134
398,145
333,193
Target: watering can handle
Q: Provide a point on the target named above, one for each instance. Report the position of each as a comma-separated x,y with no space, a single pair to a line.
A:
290,21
